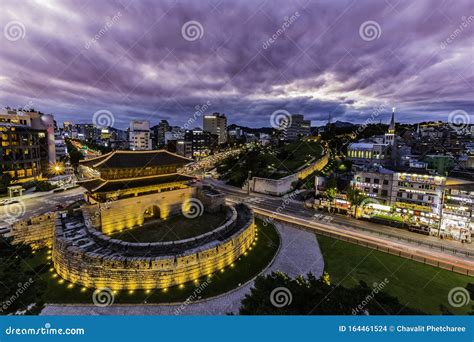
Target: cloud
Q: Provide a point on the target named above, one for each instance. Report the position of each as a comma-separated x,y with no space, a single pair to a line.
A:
131,58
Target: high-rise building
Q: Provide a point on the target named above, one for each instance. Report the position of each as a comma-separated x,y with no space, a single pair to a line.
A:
202,142
27,143
139,135
159,132
297,127
216,124
87,132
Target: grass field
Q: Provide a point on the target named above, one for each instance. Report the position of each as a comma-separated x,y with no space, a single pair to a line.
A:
415,285
244,269
175,228
272,163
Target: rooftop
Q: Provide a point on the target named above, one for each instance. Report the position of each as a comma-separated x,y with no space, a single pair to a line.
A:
102,185
135,159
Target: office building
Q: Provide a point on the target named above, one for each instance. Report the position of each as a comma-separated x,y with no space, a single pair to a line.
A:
216,124
139,135
27,144
296,128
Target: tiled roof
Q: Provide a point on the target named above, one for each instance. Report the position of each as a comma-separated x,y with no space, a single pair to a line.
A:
102,185
135,159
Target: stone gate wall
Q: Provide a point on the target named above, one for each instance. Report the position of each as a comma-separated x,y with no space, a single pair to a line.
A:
96,269
36,231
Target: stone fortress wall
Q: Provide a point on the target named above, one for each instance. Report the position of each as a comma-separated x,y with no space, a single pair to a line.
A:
78,258
114,216
164,248
279,187
35,231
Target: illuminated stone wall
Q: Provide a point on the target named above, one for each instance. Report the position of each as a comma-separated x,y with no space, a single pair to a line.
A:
114,216
97,269
36,231
129,212
279,187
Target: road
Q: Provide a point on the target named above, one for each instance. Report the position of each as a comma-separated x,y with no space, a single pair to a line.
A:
290,211
432,249
29,207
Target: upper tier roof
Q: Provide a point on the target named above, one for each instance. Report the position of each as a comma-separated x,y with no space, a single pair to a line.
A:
135,159
103,185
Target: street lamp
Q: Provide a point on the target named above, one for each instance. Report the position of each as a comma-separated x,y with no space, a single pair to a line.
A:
57,169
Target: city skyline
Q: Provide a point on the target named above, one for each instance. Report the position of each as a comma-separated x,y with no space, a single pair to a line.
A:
248,60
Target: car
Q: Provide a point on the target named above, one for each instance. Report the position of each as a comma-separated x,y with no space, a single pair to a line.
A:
59,206
8,201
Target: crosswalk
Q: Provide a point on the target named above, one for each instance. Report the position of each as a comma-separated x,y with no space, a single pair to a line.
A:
254,200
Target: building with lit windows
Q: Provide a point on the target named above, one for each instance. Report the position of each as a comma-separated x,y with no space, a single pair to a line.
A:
376,184
457,221
376,150
139,135
27,144
419,197
296,128
426,203
216,124
202,142
159,132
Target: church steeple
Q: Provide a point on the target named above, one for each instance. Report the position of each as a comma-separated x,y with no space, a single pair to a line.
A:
390,135
391,127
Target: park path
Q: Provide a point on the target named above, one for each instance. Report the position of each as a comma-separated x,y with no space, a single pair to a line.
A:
299,254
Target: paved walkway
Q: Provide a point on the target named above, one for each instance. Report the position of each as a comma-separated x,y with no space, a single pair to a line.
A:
299,254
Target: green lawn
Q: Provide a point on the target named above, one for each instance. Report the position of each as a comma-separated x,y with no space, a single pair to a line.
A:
175,228
395,218
269,162
244,269
416,285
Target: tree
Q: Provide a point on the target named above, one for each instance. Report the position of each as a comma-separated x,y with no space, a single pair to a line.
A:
278,294
356,197
21,284
331,188
5,181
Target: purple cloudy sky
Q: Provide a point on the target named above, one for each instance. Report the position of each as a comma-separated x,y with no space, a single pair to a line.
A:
139,65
